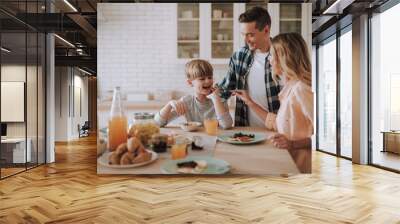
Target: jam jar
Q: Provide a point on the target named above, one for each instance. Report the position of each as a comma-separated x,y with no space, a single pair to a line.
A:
159,142
144,127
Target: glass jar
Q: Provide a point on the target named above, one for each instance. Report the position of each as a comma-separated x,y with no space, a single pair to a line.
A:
159,142
143,127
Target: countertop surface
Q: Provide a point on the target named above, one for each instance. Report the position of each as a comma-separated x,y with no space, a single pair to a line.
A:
140,105
151,104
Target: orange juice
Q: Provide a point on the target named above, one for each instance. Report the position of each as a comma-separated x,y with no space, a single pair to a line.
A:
211,126
178,151
117,131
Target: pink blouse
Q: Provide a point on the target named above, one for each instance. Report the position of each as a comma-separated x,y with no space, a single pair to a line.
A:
295,115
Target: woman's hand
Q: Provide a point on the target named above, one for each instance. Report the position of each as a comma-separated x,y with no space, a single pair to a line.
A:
280,141
178,106
244,96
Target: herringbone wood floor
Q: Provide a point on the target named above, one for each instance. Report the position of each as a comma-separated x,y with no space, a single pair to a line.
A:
70,191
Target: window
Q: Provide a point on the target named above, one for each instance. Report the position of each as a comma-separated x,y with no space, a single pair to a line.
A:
385,88
22,65
346,94
327,96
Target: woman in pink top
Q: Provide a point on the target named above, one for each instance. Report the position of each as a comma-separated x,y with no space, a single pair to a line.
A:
294,120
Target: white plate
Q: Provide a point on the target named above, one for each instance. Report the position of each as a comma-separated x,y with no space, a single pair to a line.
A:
227,137
214,165
103,160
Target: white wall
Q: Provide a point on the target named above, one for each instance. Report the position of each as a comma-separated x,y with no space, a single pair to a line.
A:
136,49
62,82
67,79
12,73
80,82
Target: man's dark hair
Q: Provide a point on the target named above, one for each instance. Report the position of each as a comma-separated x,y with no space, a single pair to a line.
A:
256,14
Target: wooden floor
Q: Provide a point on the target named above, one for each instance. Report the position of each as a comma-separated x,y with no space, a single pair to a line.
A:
70,191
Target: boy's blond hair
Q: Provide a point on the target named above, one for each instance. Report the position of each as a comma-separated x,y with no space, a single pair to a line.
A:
198,68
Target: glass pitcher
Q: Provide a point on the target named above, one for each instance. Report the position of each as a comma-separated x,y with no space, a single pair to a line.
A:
118,123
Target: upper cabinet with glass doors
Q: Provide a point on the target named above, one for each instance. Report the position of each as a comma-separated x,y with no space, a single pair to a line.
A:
188,25
289,18
221,30
208,31
211,31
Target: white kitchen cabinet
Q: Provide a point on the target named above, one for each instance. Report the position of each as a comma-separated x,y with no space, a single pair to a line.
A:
211,31
213,36
292,18
188,30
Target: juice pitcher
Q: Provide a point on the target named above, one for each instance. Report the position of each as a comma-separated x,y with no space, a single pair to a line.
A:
118,123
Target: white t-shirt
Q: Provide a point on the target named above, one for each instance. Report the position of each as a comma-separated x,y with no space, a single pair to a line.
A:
256,87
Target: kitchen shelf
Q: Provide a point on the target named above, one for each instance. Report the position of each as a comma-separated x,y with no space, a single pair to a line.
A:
188,41
222,41
290,19
188,19
222,19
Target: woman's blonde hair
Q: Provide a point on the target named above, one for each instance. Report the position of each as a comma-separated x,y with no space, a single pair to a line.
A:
290,51
198,68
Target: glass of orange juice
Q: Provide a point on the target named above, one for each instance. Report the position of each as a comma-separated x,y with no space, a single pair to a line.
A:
211,126
179,151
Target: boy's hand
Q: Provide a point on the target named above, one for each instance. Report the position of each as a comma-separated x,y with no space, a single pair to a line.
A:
280,141
178,106
214,92
244,96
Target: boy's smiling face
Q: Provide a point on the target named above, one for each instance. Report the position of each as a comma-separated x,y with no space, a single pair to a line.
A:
202,85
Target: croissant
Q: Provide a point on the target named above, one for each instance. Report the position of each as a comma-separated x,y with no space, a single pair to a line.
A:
142,157
121,149
134,144
127,158
114,158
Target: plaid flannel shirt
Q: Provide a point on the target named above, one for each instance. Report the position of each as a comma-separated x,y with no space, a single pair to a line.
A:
239,68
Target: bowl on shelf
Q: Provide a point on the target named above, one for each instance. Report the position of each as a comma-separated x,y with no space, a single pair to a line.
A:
217,14
187,14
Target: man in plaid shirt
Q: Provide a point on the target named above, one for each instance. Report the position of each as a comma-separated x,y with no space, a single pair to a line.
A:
250,70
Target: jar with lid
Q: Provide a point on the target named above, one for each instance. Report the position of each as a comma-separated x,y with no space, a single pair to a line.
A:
143,127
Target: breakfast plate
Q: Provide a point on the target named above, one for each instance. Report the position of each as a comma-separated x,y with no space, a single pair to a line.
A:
103,160
209,165
242,138
190,126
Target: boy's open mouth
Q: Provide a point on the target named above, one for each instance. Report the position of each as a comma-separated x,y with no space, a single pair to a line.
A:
207,87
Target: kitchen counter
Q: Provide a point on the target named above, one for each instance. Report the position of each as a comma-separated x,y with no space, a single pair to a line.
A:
152,106
145,105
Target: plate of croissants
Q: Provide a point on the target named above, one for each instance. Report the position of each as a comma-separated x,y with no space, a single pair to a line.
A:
128,155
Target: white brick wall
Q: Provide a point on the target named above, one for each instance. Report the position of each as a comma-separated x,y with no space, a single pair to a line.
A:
137,48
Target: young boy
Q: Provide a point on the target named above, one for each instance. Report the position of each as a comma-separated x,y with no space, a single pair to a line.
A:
205,102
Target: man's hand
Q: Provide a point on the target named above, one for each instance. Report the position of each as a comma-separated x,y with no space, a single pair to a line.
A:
244,96
178,106
280,141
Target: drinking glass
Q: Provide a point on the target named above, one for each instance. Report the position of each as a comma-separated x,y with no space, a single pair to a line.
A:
211,126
